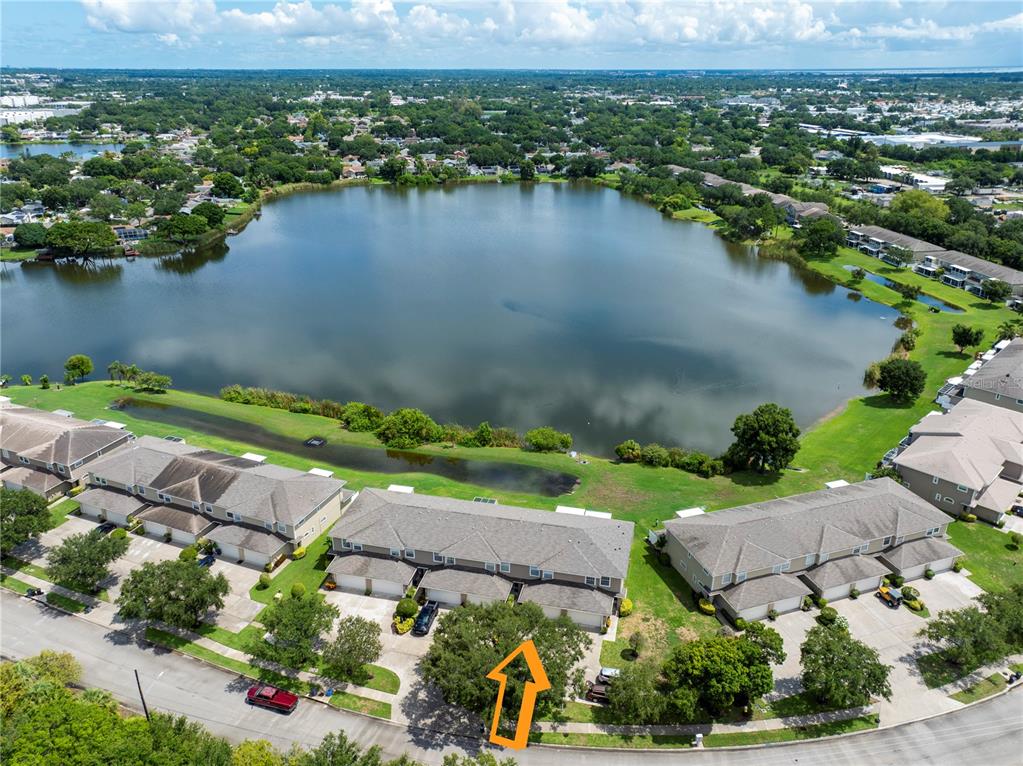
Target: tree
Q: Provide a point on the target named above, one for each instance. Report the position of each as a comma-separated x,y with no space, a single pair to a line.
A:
768,640
336,749
226,185
634,697
392,169
44,381
1006,607
182,226
152,381
841,671
721,671
766,439
357,644
655,455
546,439
1010,329
820,237
461,759
296,626
26,380
357,416
917,203
256,752
32,235
106,207
471,640
213,213
178,593
901,256
629,451
527,170
407,428
964,336
997,291
82,561
116,370
80,238
903,379
78,366
970,637
23,515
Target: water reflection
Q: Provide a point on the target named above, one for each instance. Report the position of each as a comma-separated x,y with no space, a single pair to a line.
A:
190,261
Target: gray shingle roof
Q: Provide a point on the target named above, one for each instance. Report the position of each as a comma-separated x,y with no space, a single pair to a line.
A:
463,581
247,538
51,438
266,492
917,246
111,500
989,269
764,534
576,598
848,569
580,545
1001,375
33,478
763,590
925,550
175,518
373,567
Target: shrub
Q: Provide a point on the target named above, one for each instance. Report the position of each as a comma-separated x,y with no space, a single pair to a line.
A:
406,608
76,491
740,623
969,518
706,607
896,580
914,603
772,614
302,406
806,604
297,590
167,537
909,592
655,455
188,554
1000,524
854,593
119,534
1015,540
625,608
820,601
267,566
506,437
957,566
546,439
138,529
407,428
264,581
299,553
827,616
928,574
636,643
402,626
629,451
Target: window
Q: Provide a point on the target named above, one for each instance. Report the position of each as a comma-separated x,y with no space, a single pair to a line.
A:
898,540
449,560
195,506
103,482
356,546
808,561
740,577
77,465
323,520
505,567
534,571
726,579
209,508
592,581
605,582
961,488
933,531
548,575
490,566
935,480
163,498
282,527
937,496
887,541
776,569
23,459
269,525
233,516
61,469
438,559
346,545
139,489
997,397
409,553
949,500
396,552
786,566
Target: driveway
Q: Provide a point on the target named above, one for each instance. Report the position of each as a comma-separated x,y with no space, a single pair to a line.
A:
792,627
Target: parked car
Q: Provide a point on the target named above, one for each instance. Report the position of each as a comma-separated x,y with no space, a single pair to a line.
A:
425,619
106,527
607,676
597,693
891,596
264,695
33,592
207,561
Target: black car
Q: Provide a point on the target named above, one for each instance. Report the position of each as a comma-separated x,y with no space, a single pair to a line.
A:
425,619
106,527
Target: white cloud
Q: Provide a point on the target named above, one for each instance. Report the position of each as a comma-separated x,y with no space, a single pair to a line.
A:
183,16
928,29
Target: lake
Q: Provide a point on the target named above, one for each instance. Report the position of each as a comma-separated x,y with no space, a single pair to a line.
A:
81,151
560,304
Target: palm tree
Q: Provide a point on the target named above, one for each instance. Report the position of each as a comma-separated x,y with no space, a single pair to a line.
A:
115,370
132,372
1009,330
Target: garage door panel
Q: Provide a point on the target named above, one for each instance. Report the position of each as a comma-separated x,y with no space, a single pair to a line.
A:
387,589
180,536
229,552
833,594
353,583
914,573
447,597
256,559
754,613
788,605
586,619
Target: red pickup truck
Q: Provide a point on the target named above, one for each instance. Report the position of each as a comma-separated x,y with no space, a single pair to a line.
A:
271,697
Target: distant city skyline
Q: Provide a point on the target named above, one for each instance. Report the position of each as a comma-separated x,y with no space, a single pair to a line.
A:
554,34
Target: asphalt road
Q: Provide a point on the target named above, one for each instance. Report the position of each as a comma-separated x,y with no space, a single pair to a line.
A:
989,734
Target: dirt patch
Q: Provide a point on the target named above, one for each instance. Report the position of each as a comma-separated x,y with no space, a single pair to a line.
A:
652,628
686,635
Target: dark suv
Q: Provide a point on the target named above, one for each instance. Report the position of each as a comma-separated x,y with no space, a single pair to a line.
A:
425,619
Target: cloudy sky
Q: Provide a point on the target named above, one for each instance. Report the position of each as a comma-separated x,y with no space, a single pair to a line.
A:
665,34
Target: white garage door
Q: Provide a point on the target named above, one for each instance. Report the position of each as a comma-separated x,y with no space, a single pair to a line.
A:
179,536
120,519
157,530
447,597
754,613
552,611
93,512
229,552
869,585
586,619
914,573
788,605
353,583
833,594
388,589
256,559
943,565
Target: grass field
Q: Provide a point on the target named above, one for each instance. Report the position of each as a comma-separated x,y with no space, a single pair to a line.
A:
993,684
37,571
793,734
13,583
374,708
990,558
65,603
60,512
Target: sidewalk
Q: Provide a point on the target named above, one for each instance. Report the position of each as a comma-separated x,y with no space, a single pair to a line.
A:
706,728
979,675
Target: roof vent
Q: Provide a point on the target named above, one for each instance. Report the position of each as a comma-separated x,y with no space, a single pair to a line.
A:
254,457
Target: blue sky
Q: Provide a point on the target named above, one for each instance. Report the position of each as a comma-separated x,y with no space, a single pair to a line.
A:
663,34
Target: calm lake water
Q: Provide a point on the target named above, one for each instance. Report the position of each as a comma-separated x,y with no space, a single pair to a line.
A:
84,151
566,305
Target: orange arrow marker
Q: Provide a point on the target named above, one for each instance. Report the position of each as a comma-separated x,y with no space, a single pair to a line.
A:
534,687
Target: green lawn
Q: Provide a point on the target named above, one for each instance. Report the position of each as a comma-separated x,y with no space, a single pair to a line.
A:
240,640
60,512
65,603
17,254
374,708
993,684
13,583
37,571
790,735
310,570
797,704
613,740
373,677
937,671
992,562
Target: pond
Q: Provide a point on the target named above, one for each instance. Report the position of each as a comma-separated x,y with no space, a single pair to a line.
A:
924,298
484,473
80,150
554,304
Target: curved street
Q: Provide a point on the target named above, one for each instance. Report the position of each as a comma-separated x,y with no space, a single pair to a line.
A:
988,733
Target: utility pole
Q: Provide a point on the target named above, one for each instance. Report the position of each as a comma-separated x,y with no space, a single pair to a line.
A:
138,683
